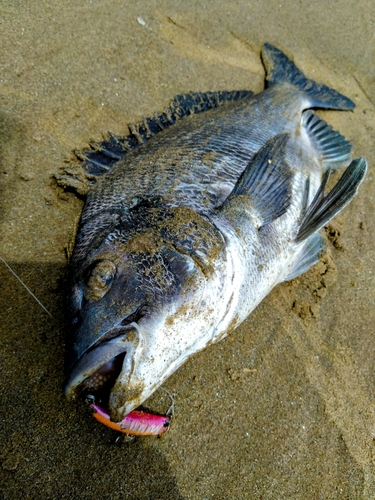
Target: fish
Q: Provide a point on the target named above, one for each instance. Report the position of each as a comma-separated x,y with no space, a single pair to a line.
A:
190,221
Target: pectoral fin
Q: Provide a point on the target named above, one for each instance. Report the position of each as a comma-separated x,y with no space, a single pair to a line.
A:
266,182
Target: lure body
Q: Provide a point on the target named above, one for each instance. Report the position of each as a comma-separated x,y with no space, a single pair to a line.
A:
136,423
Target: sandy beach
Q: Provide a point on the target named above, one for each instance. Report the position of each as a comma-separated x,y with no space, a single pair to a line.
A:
284,407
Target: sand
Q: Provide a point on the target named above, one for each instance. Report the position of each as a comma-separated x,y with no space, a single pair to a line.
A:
284,407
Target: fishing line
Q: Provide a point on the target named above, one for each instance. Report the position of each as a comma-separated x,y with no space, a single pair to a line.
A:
28,289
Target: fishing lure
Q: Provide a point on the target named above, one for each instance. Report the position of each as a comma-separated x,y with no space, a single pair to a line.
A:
137,423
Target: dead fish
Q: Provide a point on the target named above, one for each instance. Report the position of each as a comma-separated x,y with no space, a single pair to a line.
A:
185,231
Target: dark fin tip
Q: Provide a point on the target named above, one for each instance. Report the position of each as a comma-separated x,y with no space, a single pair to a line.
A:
324,207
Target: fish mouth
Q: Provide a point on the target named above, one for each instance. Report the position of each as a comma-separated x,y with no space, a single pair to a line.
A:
96,372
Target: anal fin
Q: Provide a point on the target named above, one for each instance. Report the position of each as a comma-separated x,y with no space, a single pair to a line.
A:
324,207
307,256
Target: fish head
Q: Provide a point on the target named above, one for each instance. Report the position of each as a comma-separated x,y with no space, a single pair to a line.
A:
132,314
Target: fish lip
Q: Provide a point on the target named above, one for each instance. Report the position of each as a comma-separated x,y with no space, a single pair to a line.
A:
105,350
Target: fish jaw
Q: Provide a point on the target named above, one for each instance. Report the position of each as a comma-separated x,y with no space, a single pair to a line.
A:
160,352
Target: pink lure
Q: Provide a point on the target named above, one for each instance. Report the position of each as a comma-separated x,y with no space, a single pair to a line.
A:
136,422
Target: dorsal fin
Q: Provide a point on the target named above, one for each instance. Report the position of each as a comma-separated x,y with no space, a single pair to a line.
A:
105,154
266,181
324,207
332,146
280,69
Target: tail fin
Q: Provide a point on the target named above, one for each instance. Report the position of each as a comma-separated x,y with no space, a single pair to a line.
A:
280,69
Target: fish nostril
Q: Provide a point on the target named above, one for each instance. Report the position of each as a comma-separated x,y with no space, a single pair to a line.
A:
76,319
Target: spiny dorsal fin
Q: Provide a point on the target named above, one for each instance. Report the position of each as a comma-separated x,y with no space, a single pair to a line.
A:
332,146
324,207
266,181
280,69
105,154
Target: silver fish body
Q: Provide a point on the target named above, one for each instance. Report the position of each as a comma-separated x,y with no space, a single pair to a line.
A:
185,235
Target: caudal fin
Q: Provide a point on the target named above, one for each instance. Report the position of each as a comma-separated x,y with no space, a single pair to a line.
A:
280,69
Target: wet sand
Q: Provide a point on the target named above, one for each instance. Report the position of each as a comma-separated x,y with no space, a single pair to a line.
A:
284,407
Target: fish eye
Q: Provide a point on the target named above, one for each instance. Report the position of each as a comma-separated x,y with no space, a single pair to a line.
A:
99,279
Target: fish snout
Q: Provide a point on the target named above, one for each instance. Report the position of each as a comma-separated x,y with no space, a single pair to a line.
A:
97,369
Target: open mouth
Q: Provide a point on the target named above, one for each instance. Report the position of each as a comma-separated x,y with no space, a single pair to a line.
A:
97,370
100,383
104,377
